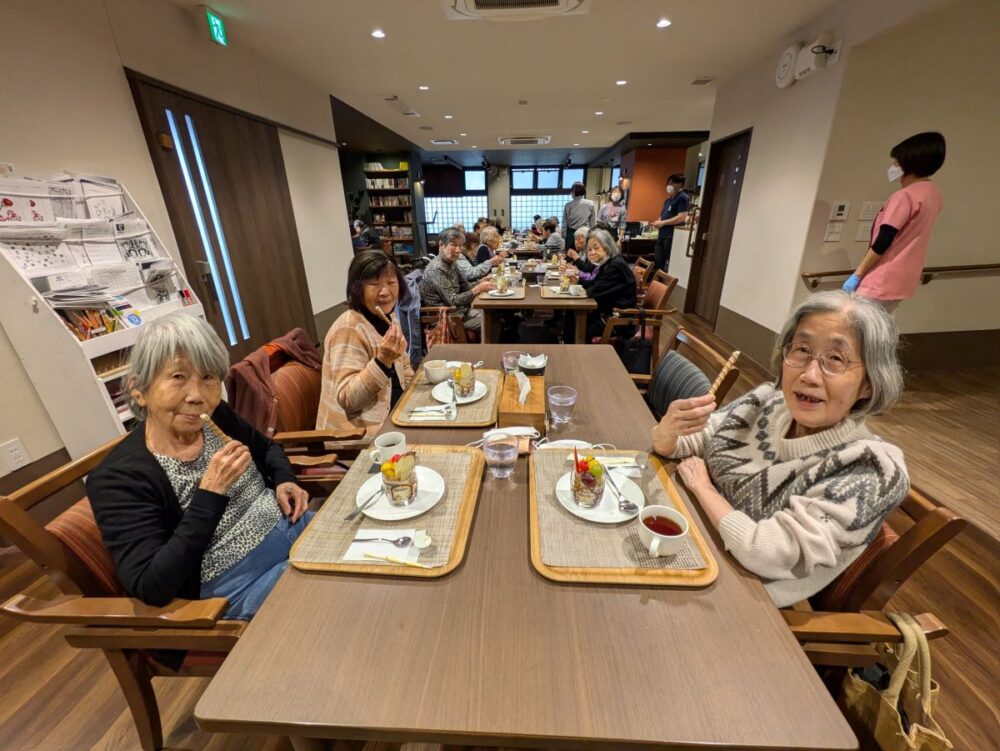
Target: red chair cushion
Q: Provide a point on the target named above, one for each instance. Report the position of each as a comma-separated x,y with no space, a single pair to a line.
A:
837,591
77,529
297,388
656,295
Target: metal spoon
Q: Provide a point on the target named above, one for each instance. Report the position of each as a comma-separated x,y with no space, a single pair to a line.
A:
624,505
399,542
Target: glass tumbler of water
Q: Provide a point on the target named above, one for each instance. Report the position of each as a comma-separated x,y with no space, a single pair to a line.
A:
561,401
501,454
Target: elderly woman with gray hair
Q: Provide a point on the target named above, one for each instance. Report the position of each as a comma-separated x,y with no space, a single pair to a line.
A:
188,508
608,279
789,474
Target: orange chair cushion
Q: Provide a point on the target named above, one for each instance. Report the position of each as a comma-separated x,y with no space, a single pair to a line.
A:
77,529
297,388
836,593
656,294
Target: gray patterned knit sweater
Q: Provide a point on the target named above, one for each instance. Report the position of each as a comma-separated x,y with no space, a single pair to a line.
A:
803,508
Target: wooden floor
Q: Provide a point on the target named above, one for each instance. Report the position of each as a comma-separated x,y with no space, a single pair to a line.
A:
60,699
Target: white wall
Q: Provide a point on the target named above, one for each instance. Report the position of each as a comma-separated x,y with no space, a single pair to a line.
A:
791,129
67,105
317,191
498,195
958,95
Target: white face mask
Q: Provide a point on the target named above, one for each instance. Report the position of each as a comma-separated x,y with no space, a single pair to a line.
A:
671,190
894,172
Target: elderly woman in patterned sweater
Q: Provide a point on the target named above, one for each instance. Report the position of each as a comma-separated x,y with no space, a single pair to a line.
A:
365,365
789,473
186,511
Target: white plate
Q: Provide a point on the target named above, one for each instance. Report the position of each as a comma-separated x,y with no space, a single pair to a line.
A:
442,392
605,512
498,293
566,443
430,490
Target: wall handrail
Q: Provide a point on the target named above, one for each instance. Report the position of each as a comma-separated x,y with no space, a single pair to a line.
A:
813,279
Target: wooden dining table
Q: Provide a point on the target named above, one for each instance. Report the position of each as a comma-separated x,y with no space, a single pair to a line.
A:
493,654
494,307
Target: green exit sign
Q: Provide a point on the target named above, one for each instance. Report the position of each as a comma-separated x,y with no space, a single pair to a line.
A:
216,27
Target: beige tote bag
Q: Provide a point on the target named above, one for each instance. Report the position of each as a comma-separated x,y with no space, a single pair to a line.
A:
910,688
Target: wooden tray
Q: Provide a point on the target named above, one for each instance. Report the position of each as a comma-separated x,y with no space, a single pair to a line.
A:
518,295
463,524
400,419
548,294
646,576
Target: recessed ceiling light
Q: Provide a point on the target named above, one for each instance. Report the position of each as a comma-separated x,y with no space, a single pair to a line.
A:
620,83
649,144
447,117
378,34
585,132
424,88
663,23
576,144
475,147
344,143
465,134
598,113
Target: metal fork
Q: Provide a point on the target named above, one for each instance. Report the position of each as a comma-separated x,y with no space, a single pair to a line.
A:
363,506
624,505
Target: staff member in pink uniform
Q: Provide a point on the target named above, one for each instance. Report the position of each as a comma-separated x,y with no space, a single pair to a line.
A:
890,271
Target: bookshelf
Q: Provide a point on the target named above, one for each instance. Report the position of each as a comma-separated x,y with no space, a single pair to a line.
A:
81,380
391,201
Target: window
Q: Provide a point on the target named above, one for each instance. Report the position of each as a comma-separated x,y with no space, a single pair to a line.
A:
548,179
451,210
475,180
522,179
616,176
524,206
572,175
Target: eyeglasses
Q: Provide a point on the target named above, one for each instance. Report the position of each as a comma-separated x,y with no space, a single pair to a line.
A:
832,363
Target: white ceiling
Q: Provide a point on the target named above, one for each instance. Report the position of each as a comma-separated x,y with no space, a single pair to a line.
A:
477,71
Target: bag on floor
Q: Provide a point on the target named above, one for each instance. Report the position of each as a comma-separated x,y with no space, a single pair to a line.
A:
636,353
898,718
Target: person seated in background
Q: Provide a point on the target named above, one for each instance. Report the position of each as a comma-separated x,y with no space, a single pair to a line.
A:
357,241
489,240
467,263
365,365
611,282
443,284
184,511
553,240
536,225
789,474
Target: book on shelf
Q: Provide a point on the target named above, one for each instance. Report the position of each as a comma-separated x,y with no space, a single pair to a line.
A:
395,202
387,183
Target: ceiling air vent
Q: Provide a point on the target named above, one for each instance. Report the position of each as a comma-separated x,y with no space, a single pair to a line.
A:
444,142
512,10
525,140
703,80
400,106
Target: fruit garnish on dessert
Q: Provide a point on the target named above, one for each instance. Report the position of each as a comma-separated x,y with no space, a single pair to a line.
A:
588,480
400,467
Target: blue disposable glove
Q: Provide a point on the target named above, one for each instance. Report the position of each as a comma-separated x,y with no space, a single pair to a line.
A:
852,283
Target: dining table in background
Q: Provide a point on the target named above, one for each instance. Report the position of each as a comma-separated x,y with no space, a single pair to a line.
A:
494,654
494,307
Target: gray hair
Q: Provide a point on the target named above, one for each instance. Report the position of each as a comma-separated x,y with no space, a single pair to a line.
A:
877,334
175,335
606,241
487,234
450,235
582,231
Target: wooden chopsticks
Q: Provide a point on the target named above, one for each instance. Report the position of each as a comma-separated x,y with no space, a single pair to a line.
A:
730,364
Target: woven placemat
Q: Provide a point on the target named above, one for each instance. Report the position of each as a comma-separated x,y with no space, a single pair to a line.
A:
547,293
569,541
518,295
323,544
474,415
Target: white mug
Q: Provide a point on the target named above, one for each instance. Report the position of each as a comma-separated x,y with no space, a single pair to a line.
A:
576,289
388,445
657,544
435,370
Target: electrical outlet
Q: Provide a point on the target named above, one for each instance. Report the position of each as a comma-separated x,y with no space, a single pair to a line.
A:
15,454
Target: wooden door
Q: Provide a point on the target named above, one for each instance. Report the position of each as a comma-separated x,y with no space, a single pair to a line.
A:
726,168
224,183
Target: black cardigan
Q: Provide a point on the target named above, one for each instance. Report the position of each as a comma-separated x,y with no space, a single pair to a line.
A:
156,546
612,287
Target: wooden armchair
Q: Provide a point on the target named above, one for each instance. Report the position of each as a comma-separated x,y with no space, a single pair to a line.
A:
129,633
685,376
851,623
643,270
662,277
